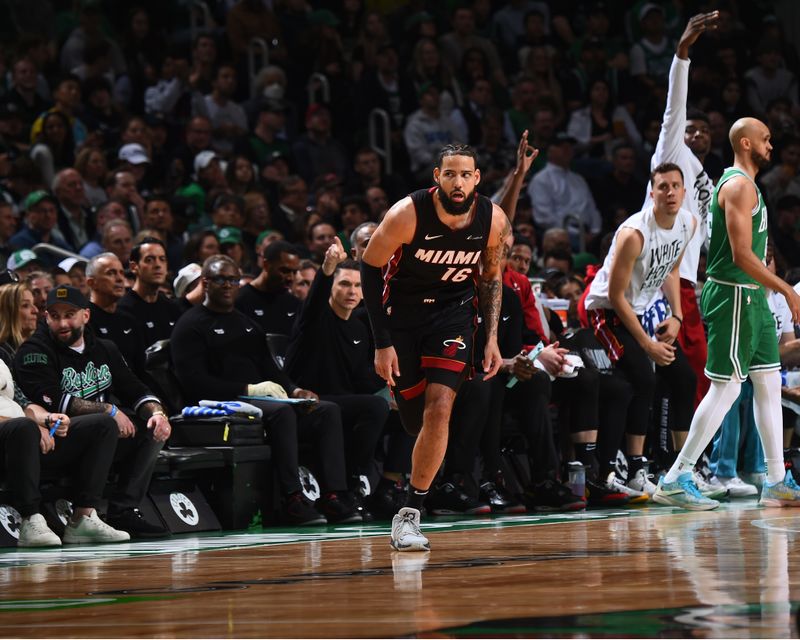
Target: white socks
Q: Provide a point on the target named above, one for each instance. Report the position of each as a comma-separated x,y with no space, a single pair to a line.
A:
769,420
707,419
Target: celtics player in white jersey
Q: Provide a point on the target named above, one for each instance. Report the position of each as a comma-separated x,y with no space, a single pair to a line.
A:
741,331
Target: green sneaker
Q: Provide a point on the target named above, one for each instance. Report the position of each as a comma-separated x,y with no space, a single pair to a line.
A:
683,493
785,493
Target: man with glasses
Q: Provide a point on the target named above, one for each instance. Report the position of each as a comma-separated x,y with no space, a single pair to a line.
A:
220,354
267,299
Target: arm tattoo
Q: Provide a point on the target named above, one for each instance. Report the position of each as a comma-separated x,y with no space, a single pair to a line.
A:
81,407
490,297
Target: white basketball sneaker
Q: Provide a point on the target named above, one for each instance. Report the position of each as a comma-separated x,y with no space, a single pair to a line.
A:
91,529
34,532
406,535
738,488
641,482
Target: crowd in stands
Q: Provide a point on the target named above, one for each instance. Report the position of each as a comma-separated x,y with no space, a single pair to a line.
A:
184,195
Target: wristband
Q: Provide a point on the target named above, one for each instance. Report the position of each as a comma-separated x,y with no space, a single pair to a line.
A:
158,413
679,319
113,410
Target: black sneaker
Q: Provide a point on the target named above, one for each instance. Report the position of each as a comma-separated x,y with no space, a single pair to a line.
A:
387,499
601,495
299,511
500,500
361,507
551,496
338,508
449,499
132,521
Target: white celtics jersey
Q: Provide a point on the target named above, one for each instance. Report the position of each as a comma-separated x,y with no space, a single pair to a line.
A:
661,250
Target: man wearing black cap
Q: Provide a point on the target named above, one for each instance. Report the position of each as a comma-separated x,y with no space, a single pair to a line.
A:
66,369
40,221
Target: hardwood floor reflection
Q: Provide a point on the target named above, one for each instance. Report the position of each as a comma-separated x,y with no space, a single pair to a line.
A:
730,573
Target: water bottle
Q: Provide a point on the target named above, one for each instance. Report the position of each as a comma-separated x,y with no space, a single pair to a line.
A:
576,478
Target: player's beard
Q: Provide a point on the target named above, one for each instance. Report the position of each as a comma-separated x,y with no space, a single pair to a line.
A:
760,160
456,208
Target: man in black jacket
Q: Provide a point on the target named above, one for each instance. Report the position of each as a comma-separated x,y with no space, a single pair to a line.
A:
221,354
66,369
330,352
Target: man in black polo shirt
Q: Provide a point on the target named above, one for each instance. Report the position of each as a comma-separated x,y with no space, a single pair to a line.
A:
68,370
155,313
221,354
267,299
331,354
105,278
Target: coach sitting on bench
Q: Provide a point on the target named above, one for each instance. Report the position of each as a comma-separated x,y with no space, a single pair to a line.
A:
67,370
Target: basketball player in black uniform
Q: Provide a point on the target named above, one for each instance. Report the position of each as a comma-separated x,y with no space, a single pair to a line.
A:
433,259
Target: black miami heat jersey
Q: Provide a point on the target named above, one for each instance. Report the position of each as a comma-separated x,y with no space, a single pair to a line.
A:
439,266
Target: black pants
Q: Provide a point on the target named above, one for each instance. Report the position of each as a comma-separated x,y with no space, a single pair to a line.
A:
287,426
134,461
529,401
615,398
85,454
578,398
363,420
678,376
469,421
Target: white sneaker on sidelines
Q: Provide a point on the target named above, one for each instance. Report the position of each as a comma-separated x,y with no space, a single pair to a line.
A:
737,488
34,532
711,488
641,482
406,535
756,479
91,529
615,484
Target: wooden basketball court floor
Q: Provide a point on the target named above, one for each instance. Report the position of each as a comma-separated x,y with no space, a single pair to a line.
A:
646,572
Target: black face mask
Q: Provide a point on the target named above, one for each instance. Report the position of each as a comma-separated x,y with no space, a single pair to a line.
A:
456,208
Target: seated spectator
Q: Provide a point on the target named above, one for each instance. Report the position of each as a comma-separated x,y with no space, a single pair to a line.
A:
154,313
53,147
23,262
158,216
134,159
73,372
22,92
355,212
558,261
9,221
265,139
18,317
28,450
257,219
208,177
651,57
40,283
301,284
360,238
368,172
597,126
122,187
105,278
163,97
109,210
240,175
620,188
228,119
75,269
495,154
91,164
67,98
378,202
41,218
330,353
74,221
116,237
189,287
201,246
785,175
468,118
521,257
219,356
320,236
227,211
292,206
463,37
561,198
786,230
769,79
427,130
267,299
317,152
232,245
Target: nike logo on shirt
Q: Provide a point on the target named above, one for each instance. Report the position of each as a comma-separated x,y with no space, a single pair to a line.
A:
505,318
249,329
474,237
290,313
356,341
427,237
219,331
126,331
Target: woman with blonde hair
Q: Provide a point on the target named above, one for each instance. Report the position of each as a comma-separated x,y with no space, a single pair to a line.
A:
18,317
